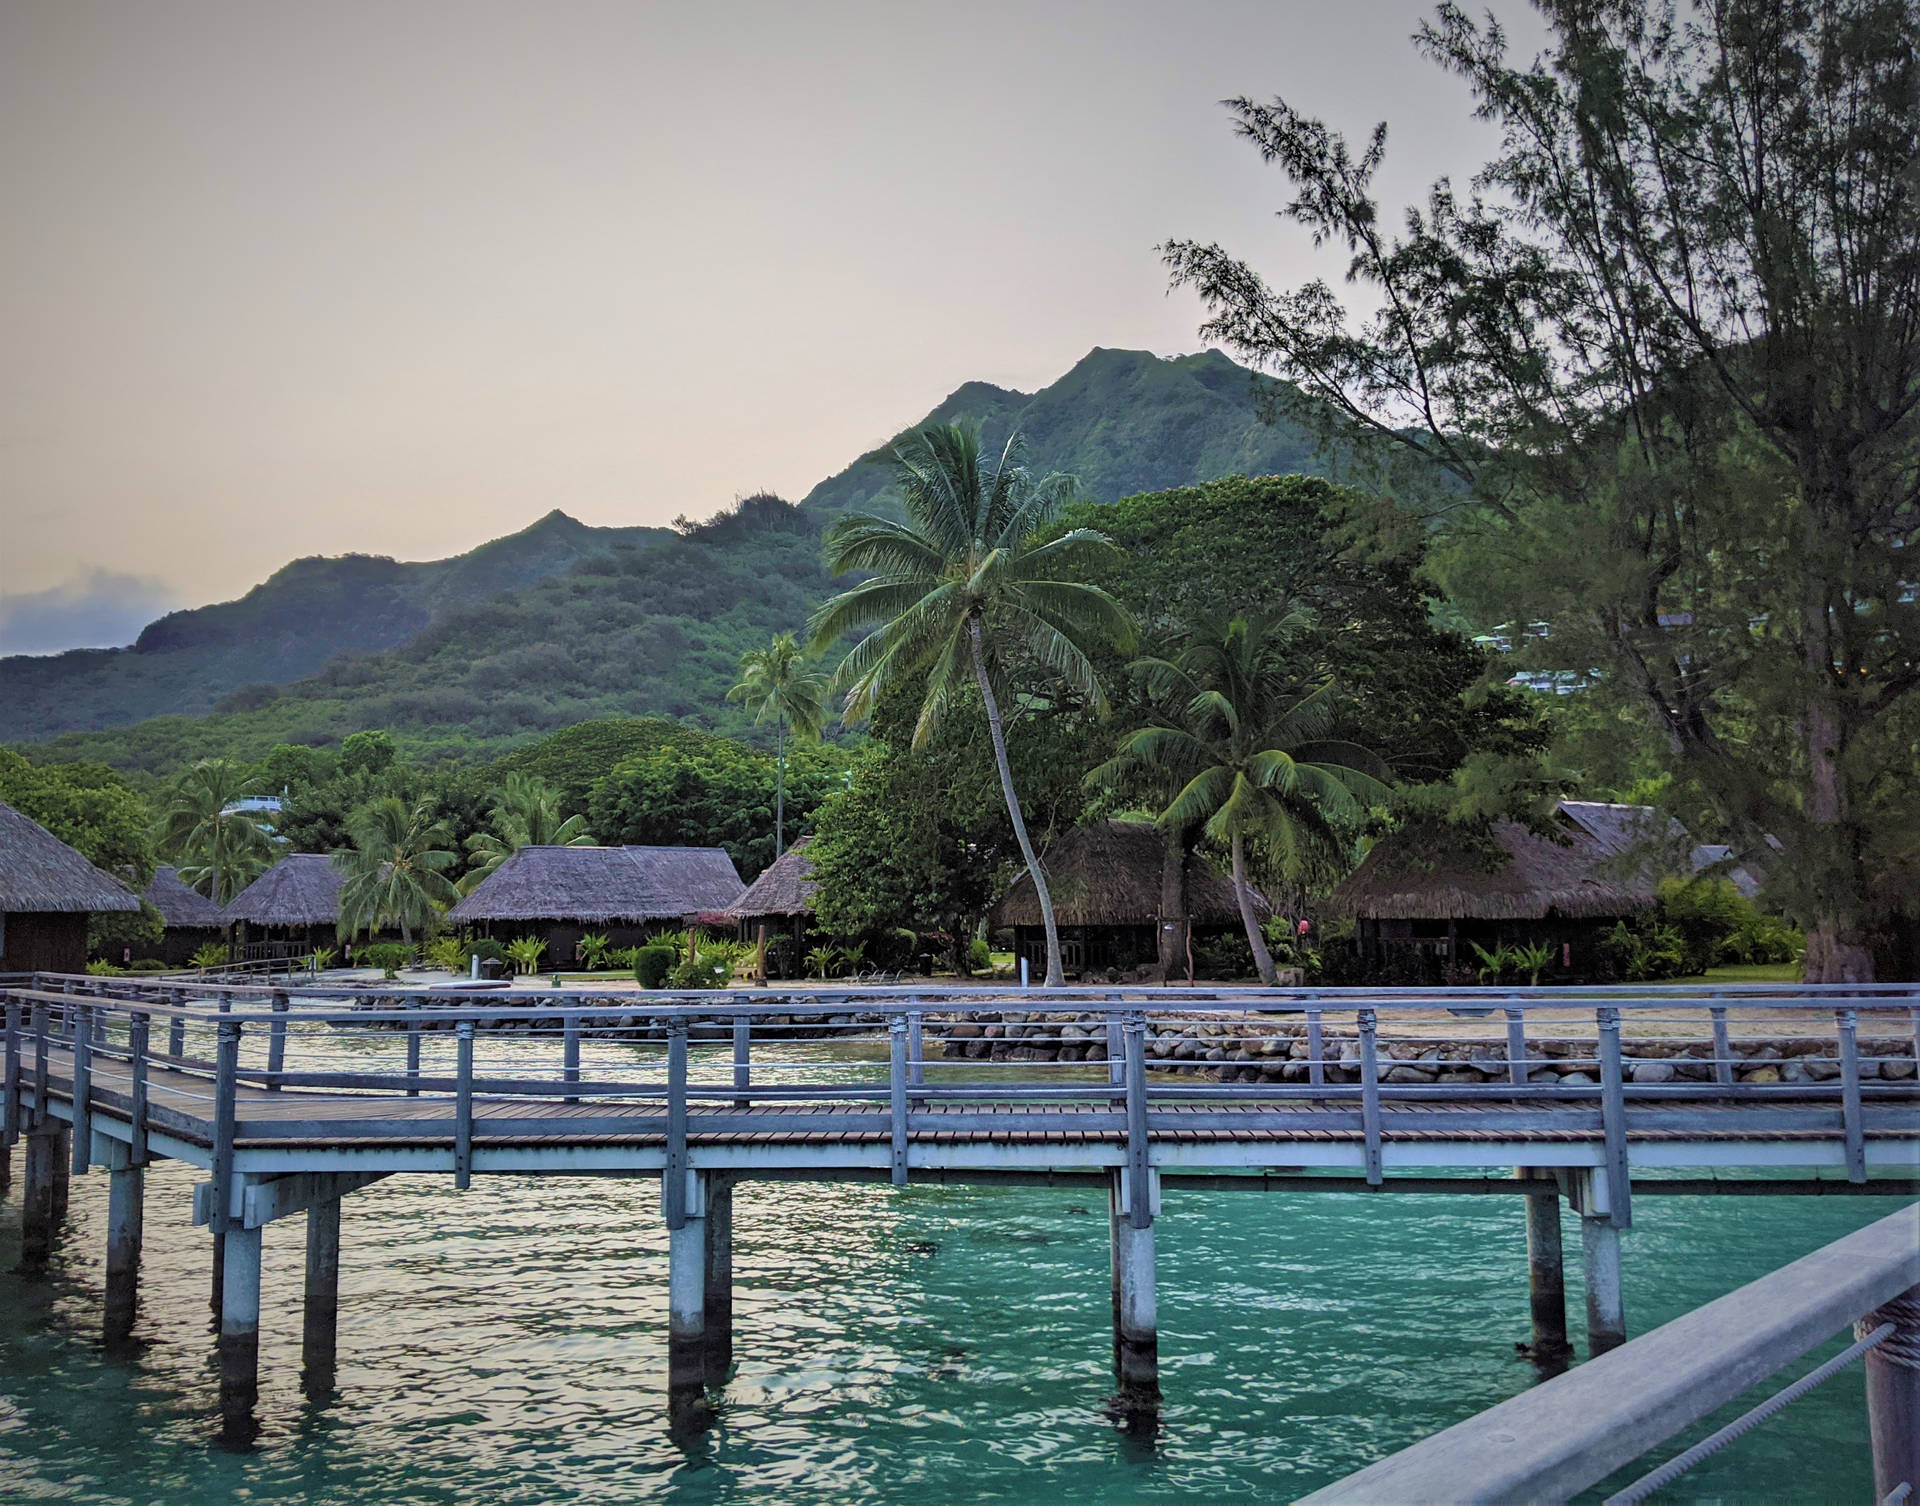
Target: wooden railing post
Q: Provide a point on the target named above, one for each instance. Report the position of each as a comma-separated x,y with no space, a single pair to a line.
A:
1316,1050
82,1089
277,1041
570,1053
1849,1020
1369,1025
673,1188
1613,1118
226,1083
177,1026
1139,1160
1516,1046
742,1058
413,1053
897,1095
137,1031
40,1028
10,1083
463,1106
1722,1047
917,1052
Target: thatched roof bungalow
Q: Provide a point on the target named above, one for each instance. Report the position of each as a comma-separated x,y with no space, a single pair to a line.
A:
191,919
1425,905
1105,880
47,891
299,895
779,904
562,893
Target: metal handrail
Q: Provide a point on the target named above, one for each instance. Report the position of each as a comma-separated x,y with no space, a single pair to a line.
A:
1552,1442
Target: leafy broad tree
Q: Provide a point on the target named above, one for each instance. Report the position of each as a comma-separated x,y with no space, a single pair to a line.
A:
1669,367
86,805
776,684
219,846
962,592
1245,755
525,813
396,870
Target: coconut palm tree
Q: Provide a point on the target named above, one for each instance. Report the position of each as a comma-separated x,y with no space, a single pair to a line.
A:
219,848
775,682
396,870
964,587
1245,754
525,813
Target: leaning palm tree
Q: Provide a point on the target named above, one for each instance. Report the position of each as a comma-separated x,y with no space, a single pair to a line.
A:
960,589
775,682
525,813
1245,755
396,870
218,846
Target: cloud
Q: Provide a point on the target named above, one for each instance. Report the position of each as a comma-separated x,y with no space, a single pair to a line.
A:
100,609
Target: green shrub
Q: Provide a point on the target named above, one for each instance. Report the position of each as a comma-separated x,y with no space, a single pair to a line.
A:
596,952
1532,960
102,970
388,956
486,949
1718,925
712,966
652,965
1224,956
212,954
146,965
824,962
674,941
1493,964
321,958
1645,950
448,953
525,952
979,956
626,959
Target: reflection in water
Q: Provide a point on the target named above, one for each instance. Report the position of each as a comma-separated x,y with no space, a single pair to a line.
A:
944,1343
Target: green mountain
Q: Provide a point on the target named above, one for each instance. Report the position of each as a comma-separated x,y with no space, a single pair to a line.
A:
562,622
283,630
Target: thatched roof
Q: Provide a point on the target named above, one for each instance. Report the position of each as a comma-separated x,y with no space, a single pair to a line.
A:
604,885
302,889
1531,878
182,908
39,873
787,888
1108,874
1622,828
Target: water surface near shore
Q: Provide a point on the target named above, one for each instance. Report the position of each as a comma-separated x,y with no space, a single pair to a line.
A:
940,1344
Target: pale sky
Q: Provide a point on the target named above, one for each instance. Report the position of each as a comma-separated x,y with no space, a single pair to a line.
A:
397,278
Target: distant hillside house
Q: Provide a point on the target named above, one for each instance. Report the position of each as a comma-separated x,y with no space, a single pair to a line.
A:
1105,883
1433,906
191,919
779,902
563,893
290,909
47,891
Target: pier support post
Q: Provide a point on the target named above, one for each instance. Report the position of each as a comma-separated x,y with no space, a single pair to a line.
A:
1546,1278
1893,1394
126,1215
320,1331
217,1298
1136,1337
1606,1308
687,1255
719,1279
62,1172
239,1334
37,1219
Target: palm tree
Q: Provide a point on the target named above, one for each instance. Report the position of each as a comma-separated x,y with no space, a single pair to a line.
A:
219,848
1248,759
775,682
961,585
525,813
396,869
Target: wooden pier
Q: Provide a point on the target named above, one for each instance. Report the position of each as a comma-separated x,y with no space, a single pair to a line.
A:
292,1098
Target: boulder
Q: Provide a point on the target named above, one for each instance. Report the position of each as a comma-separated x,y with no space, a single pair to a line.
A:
1654,1071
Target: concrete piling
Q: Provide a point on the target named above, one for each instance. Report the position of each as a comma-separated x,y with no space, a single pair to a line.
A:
239,1334
38,1221
1136,1337
320,1328
719,1280
1893,1394
1606,1308
1546,1279
126,1212
62,1171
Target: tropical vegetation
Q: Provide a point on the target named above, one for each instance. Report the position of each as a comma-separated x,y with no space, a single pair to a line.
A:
219,844
776,685
525,813
396,869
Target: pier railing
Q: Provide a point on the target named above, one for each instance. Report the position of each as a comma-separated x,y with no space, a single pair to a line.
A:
1088,1060
1556,1440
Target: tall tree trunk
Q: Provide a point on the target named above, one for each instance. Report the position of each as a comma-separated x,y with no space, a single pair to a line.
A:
1175,950
779,788
1262,959
1056,974
1836,943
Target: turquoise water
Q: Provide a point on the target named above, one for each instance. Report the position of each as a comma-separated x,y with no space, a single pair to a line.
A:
931,1344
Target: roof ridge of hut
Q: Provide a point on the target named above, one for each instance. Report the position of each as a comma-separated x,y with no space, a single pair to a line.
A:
785,887
603,885
40,874
302,889
1108,873
181,906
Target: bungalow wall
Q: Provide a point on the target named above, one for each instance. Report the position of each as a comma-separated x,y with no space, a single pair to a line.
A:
1400,946
43,942
563,936
1088,949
